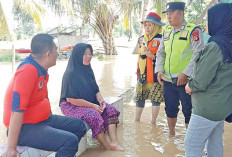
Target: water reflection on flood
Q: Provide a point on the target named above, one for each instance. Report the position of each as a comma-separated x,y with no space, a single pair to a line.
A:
116,75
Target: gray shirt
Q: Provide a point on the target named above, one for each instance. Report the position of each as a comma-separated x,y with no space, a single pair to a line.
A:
196,46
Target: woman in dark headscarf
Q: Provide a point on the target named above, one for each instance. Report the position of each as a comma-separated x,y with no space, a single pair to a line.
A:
81,98
211,86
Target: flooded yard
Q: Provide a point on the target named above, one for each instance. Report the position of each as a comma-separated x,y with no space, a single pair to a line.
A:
116,76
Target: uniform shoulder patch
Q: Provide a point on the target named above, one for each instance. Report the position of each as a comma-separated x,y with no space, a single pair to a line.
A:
195,35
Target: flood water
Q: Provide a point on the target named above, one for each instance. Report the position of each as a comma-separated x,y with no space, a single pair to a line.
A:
116,77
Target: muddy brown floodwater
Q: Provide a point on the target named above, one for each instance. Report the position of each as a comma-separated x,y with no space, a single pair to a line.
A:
116,76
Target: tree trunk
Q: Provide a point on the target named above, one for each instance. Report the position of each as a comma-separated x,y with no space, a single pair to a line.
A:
108,45
112,46
107,39
199,19
144,14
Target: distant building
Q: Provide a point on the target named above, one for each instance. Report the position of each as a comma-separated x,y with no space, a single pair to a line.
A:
67,38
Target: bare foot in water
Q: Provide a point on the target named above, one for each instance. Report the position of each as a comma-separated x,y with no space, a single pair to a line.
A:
137,119
153,122
172,134
116,146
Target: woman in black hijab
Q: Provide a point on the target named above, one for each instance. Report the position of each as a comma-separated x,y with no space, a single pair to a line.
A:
81,98
210,87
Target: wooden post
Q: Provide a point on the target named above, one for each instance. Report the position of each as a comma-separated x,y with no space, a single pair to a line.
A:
13,57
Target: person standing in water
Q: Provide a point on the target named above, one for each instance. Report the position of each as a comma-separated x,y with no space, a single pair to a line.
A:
179,47
210,86
147,84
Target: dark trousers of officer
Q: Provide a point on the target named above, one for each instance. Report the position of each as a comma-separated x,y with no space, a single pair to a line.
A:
172,95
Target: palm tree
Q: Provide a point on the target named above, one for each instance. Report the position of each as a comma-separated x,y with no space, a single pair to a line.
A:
35,8
32,7
160,6
4,28
102,18
103,14
60,7
130,8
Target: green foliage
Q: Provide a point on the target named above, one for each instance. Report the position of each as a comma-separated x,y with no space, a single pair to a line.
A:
100,57
160,6
130,8
7,57
193,8
101,16
4,28
25,27
118,29
127,33
61,7
34,8
136,25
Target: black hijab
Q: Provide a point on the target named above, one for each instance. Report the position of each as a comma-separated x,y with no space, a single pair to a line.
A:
220,28
79,80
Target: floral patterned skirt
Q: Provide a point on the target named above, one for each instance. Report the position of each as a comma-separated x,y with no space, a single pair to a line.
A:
97,122
151,91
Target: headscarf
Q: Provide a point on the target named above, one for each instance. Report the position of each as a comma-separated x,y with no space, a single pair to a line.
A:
79,80
220,28
147,38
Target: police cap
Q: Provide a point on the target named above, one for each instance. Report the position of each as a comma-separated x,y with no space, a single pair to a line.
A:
172,6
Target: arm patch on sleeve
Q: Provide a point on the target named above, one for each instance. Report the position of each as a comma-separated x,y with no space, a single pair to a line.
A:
195,35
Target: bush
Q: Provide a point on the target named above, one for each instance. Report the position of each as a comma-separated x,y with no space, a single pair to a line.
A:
7,57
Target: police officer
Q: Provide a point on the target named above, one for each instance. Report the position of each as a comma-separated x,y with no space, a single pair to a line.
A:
175,60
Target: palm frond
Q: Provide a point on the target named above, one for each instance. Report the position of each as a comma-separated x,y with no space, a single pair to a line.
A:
128,9
35,8
160,6
67,5
4,27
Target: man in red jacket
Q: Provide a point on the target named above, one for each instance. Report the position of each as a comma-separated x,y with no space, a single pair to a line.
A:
27,110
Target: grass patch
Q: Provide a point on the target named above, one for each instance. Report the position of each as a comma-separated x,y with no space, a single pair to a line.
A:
7,57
